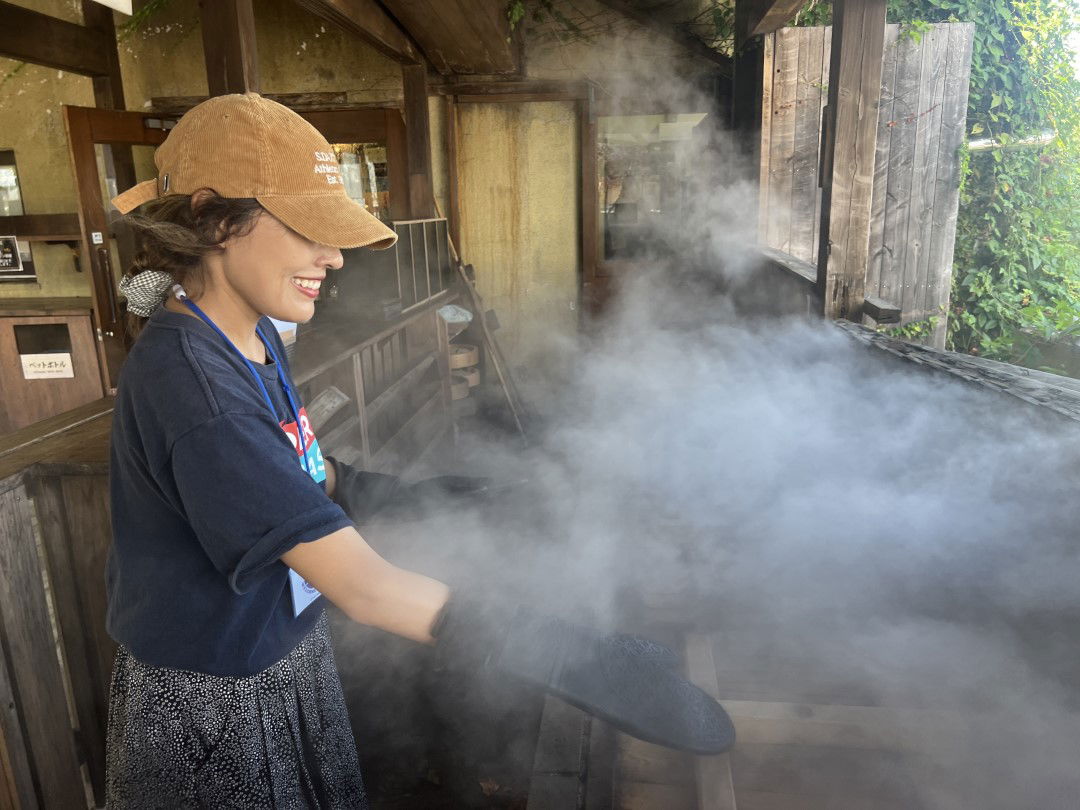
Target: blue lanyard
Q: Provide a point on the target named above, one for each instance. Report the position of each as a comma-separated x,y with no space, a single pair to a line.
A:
293,408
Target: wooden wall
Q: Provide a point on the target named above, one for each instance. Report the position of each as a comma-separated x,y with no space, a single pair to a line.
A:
921,126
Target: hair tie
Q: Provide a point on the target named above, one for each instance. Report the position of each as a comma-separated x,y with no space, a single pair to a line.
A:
145,291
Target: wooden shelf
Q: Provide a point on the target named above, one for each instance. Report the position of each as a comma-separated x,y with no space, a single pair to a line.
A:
42,227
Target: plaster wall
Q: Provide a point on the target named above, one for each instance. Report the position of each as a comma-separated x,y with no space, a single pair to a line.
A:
518,166
32,124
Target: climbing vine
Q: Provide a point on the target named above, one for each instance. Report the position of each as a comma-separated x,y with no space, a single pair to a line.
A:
1016,268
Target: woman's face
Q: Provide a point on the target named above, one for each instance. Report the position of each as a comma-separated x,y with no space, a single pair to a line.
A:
275,271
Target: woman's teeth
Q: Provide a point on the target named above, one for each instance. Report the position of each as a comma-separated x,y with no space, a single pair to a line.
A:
307,284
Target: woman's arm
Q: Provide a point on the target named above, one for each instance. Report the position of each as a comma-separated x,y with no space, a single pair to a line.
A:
371,591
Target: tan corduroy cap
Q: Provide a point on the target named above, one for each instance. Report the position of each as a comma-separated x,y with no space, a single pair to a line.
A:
244,145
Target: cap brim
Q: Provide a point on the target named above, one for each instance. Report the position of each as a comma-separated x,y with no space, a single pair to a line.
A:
331,219
135,196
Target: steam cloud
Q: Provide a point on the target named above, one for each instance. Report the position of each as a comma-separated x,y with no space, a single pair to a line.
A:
851,529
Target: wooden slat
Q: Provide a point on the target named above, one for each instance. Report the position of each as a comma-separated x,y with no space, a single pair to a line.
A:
30,647
460,36
43,40
901,126
854,91
881,205
768,72
232,61
715,785
782,146
109,88
934,46
513,89
368,20
16,779
589,194
76,563
804,185
947,186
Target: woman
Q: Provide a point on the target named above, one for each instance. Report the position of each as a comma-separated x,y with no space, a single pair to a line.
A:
224,690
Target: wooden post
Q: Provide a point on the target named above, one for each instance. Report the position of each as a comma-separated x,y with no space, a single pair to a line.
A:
232,63
453,192
849,143
418,142
590,204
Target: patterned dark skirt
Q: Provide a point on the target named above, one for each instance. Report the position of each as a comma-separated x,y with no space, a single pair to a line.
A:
278,739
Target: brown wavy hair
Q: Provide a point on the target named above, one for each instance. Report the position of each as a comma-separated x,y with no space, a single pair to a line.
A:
176,236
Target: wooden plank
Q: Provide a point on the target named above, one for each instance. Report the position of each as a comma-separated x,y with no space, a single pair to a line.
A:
16,779
860,777
367,20
715,784
804,186
880,203
453,171
768,73
77,615
826,49
781,161
934,45
589,194
650,796
418,142
232,61
920,731
854,92
43,40
903,98
460,36
29,643
401,385
952,133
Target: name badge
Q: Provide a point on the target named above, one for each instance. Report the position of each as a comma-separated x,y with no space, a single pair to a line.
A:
303,592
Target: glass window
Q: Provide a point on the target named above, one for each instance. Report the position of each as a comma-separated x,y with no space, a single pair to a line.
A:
646,164
10,195
363,168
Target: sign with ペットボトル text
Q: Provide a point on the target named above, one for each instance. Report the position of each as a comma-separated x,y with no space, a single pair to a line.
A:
47,366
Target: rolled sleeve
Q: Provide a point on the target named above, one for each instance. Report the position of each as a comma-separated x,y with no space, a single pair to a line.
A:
246,496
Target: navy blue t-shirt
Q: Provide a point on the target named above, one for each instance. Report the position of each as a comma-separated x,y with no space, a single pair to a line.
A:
207,493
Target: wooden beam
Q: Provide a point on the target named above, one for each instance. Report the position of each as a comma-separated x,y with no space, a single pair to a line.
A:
690,43
588,130
527,90
764,17
367,20
178,105
881,310
232,62
42,227
453,177
850,123
43,40
418,142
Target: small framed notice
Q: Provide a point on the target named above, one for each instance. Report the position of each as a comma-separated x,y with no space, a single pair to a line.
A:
47,366
16,260
10,260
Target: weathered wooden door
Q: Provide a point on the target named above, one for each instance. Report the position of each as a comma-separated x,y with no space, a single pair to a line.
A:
921,128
